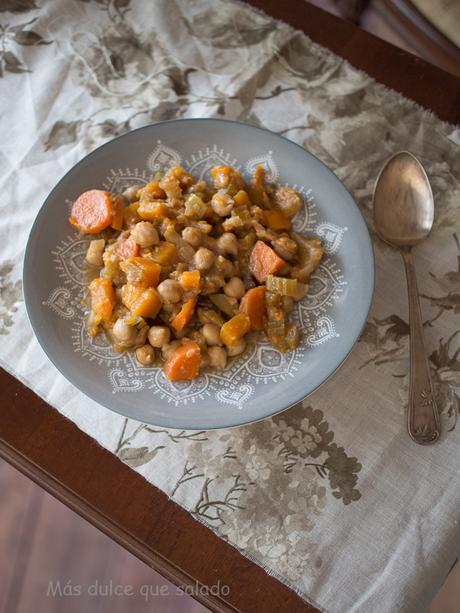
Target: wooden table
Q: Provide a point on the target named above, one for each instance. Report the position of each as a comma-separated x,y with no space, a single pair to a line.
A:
51,450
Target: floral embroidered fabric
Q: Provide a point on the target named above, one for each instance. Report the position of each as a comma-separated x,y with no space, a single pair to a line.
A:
331,497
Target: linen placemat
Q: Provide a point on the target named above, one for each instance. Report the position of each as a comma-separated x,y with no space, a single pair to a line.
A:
331,497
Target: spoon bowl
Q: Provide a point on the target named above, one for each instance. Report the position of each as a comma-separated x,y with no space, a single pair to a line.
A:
403,201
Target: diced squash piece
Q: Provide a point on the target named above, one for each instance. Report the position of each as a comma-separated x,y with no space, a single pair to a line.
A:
150,211
275,220
236,327
190,280
141,271
184,317
92,212
103,298
257,191
241,198
184,363
141,301
127,248
165,253
253,305
221,176
177,172
130,214
154,190
118,204
264,261
226,177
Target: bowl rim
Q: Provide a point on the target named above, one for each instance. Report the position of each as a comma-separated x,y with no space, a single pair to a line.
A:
162,423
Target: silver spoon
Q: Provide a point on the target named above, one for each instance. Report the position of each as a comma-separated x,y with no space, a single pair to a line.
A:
403,216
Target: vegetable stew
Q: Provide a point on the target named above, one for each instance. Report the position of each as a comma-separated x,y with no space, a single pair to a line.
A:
185,271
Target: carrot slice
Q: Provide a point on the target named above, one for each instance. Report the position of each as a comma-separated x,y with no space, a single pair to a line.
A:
275,220
264,261
185,314
102,298
128,249
184,363
190,280
253,304
118,211
92,212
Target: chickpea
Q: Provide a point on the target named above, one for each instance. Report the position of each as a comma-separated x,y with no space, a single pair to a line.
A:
141,337
211,334
225,266
227,243
204,258
145,234
130,193
217,357
169,349
192,236
195,207
145,355
234,288
169,311
159,336
237,349
123,331
170,291
94,253
222,204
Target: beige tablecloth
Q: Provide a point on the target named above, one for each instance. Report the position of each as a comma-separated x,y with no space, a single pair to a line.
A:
331,497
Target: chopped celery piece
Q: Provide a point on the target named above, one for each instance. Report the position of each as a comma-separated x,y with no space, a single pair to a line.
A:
223,303
210,316
280,285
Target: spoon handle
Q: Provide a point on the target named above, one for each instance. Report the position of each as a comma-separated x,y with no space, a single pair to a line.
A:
423,418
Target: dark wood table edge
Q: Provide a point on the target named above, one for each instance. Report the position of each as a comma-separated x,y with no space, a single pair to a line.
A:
427,85
103,523
35,439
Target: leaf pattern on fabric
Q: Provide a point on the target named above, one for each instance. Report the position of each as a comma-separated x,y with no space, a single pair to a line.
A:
29,37
10,296
9,62
119,64
449,285
240,29
62,133
137,456
17,6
